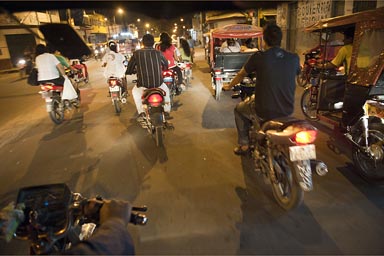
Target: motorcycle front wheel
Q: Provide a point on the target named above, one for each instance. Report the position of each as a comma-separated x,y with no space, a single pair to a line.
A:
301,79
370,166
286,190
57,113
307,106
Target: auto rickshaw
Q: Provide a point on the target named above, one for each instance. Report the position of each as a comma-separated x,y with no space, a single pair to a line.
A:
354,102
224,66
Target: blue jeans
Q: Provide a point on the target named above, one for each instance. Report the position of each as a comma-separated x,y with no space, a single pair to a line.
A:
245,117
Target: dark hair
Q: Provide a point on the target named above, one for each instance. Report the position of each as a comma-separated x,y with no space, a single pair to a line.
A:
148,40
40,49
165,41
112,45
184,44
231,42
272,35
349,32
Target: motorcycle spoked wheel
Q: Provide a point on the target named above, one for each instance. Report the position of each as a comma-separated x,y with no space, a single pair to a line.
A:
56,115
369,168
286,190
307,107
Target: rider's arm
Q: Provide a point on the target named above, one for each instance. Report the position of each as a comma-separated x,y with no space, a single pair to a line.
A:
61,69
164,62
237,79
131,66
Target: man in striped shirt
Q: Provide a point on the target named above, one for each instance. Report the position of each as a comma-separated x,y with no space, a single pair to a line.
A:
148,64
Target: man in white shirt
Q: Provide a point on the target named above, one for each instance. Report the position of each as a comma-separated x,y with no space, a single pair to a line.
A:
113,62
48,66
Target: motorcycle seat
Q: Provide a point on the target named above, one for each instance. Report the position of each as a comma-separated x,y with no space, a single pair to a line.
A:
280,123
149,91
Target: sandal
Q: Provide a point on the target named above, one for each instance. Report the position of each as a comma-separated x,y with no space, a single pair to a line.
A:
240,151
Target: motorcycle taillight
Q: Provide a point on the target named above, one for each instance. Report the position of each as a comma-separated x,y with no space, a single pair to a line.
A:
305,137
155,100
46,87
112,82
167,73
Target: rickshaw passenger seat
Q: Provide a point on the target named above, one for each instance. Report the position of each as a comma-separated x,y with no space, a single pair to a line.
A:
231,61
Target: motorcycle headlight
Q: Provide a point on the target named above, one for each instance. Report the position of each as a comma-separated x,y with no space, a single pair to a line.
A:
22,62
247,80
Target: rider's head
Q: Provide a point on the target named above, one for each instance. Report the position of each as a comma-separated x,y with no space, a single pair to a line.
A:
40,49
272,35
112,46
148,40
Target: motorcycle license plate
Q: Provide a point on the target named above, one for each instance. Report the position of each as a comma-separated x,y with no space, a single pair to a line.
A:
298,153
114,89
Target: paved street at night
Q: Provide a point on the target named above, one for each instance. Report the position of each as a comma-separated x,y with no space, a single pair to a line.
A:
201,198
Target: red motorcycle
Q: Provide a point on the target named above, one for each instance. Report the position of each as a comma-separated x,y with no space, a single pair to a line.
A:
169,77
116,91
308,69
79,71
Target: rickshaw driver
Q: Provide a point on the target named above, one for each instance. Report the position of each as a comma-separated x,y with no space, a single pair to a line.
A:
276,71
344,54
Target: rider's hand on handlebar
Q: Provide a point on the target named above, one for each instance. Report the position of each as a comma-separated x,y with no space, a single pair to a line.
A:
115,209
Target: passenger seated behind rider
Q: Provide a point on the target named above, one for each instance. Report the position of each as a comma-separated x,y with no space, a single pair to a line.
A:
230,45
149,64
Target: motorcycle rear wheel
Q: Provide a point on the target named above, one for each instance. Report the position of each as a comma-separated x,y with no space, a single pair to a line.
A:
116,104
307,107
56,115
368,168
218,88
159,137
286,190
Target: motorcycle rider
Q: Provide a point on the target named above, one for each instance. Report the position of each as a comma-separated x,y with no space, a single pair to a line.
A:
148,63
114,63
48,66
112,237
276,71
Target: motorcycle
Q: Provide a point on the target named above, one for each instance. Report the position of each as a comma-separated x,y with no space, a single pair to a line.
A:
169,77
54,219
283,151
79,71
354,102
116,91
55,105
308,69
246,88
155,119
186,69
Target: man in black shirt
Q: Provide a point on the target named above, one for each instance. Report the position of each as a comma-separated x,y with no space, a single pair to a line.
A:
148,63
276,71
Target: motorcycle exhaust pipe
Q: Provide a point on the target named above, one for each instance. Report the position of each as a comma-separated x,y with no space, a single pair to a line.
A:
320,167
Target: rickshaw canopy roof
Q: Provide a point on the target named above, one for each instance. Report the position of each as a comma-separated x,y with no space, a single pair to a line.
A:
237,31
376,15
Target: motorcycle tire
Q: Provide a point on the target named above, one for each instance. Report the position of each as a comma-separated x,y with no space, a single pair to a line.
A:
116,104
159,136
286,189
56,115
218,88
370,169
307,107
301,79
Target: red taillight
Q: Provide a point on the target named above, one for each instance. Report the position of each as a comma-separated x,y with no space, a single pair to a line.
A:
167,73
46,87
217,71
112,82
155,100
305,137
